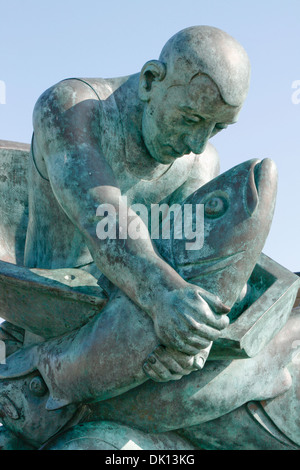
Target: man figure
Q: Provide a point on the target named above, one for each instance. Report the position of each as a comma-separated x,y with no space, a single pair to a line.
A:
144,137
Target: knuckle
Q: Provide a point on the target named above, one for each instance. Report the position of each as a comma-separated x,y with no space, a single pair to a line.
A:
187,363
178,344
219,322
183,348
192,324
224,322
195,294
217,302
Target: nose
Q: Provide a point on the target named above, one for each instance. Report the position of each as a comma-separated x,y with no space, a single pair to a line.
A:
197,140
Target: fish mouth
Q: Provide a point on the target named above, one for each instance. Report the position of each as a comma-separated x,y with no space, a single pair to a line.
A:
261,175
265,169
212,265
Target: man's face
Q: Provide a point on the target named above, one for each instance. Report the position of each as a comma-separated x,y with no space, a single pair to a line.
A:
179,119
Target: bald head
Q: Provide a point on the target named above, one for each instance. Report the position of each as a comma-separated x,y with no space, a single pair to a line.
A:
208,50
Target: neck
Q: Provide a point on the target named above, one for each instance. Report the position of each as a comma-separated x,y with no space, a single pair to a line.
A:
131,108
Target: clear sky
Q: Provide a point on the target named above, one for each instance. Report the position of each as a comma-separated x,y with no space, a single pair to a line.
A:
42,42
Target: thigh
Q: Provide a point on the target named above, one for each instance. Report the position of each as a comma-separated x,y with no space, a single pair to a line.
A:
219,388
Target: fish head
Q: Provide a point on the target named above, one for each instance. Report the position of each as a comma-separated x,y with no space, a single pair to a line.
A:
237,211
24,397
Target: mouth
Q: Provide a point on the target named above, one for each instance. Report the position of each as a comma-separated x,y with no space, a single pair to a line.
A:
263,173
212,265
177,153
252,187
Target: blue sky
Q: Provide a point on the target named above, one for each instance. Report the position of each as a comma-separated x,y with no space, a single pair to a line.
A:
42,42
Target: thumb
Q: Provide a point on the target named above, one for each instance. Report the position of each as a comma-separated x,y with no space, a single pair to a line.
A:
214,302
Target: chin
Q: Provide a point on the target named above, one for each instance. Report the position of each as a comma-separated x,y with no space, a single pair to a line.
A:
165,159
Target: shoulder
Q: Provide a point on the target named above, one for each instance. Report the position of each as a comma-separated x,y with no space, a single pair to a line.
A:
58,101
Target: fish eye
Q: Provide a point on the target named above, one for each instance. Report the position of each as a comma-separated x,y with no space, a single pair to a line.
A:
215,206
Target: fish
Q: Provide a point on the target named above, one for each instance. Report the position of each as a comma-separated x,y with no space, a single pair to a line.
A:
83,365
238,206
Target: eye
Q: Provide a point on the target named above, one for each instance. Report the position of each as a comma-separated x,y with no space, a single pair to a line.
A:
191,119
215,206
38,387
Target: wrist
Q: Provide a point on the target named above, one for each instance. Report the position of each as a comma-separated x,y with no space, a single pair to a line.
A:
159,285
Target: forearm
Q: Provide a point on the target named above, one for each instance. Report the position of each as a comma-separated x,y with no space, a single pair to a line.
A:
133,265
180,311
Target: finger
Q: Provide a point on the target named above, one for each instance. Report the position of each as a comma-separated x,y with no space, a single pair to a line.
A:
198,342
204,315
186,361
168,358
183,339
199,362
190,348
150,373
214,301
200,359
202,330
189,338
158,371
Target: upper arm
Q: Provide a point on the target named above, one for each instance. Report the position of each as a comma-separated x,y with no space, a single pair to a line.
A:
67,135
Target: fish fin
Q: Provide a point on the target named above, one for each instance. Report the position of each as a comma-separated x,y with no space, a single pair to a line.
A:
19,364
56,403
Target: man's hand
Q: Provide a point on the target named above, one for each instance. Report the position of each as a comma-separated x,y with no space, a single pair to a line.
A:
189,318
165,364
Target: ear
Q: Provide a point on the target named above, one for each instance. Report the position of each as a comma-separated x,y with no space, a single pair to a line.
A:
154,70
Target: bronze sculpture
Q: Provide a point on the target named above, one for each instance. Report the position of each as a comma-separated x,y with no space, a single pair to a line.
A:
144,137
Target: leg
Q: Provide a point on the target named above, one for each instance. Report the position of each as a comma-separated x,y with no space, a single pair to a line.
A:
102,359
208,394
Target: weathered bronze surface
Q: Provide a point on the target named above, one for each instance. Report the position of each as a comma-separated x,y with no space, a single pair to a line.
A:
130,339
